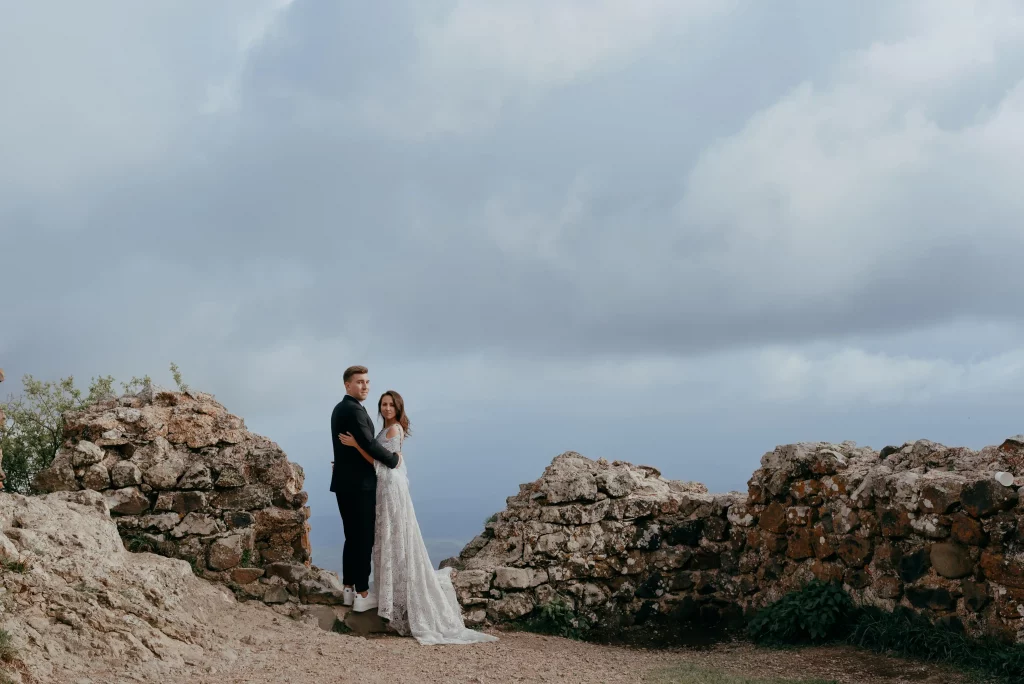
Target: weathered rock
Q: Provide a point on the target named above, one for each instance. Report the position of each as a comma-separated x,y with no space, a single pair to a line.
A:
86,453
512,606
289,572
197,524
245,498
125,474
855,551
87,608
276,594
196,476
126,501
180,502
226,553
96,477
967,530
985,497
57,478
888,587
951,560
246,575
216,489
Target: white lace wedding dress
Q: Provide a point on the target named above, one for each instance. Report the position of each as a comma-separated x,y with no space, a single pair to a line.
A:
415,598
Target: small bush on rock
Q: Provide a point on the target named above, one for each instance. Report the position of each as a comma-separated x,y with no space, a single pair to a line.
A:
557,618
816,613
7,651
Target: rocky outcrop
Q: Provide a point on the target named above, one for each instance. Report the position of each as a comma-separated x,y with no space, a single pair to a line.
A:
938,530
74,602
184,478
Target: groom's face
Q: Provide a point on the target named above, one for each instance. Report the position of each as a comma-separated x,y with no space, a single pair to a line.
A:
358,386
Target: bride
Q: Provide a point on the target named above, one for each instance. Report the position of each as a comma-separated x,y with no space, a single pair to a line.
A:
411,595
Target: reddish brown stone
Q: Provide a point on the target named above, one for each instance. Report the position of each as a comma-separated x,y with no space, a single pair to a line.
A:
833,487
975,595
986,497
800,543
1013,453
1001,527
773,543
824,543
855,551
801,516
827,572
887,557
804,489
858,579
967,530
888,587
755,494
869,521
895,522
246,575
939,497
1002,571
773,518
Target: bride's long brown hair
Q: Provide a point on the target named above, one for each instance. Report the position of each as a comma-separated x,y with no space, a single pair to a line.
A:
400,416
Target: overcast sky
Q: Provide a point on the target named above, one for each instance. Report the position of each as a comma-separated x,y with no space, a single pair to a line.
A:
674,233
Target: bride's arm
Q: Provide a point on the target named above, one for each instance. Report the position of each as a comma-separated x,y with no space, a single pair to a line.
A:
348,440
369,459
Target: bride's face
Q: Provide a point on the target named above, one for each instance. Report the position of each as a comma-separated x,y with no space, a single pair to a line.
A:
387,407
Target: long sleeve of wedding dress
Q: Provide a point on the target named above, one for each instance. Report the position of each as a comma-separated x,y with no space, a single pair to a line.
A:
415,598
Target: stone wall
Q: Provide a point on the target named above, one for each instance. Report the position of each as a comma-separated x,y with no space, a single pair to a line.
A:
184,478
938,530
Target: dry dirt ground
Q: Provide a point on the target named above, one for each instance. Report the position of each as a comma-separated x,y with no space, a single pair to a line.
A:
277,649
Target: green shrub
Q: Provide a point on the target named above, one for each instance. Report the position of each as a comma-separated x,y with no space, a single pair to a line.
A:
340,627
816,613
14,566
140,543
558,619
33,430
820,613
906,633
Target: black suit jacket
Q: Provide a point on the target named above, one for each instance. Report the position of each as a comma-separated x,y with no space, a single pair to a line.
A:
351,471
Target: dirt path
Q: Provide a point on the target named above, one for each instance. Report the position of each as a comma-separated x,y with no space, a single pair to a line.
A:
316,656
258,646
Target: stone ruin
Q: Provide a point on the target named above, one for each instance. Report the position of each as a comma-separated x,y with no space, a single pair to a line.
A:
938,530
184,478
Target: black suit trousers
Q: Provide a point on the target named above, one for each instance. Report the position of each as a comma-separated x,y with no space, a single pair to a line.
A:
358,510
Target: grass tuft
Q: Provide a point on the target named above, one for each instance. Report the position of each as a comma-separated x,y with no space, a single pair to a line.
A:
7,650
691,674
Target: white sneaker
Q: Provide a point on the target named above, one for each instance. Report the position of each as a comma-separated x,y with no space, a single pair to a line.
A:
348,595
363,603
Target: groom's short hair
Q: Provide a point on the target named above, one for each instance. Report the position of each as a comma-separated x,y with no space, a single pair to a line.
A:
354,370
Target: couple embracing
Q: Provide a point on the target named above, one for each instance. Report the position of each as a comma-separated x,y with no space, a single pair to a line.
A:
372,487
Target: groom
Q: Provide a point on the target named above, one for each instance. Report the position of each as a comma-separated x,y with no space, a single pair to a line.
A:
354,482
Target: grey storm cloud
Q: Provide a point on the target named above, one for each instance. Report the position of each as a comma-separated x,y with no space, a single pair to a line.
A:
450,179
673,233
